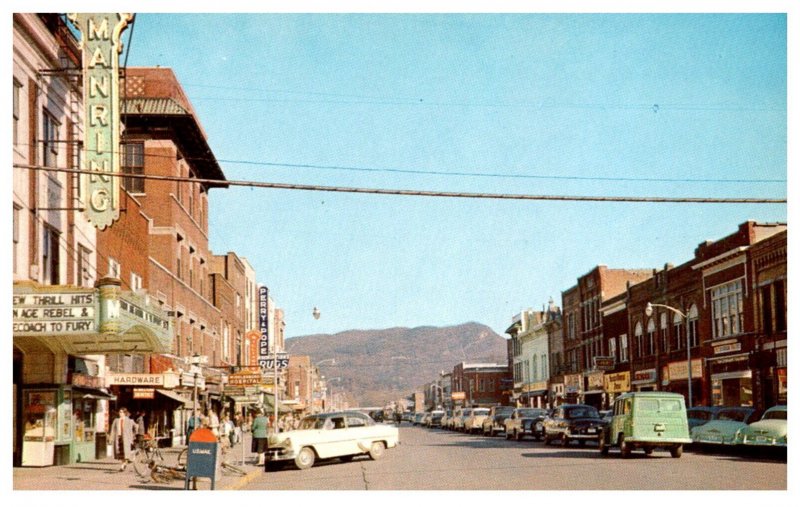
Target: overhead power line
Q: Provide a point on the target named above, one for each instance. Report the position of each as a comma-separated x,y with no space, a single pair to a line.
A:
424,193
473,174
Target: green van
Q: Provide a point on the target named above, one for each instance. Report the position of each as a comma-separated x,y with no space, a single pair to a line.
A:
647,420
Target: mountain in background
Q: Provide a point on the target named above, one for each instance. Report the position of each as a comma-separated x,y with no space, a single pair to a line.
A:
379,366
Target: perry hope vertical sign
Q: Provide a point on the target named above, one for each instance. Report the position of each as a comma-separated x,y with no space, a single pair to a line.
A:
101,46
263,326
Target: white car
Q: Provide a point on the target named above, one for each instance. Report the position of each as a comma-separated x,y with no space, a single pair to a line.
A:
342,435
474,423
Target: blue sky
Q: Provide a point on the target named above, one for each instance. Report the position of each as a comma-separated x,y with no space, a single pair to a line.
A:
624,98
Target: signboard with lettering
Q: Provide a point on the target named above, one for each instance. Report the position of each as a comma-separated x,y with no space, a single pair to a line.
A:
594,381
244,379
603,363
677,370
617,382
263,326
572,383
269,362
55,313
143,393
101,46
730,347
458,395
645,376
135,379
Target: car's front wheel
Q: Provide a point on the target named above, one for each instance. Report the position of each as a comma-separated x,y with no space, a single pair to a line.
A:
677,451
564,440
305,458
602,445
377,450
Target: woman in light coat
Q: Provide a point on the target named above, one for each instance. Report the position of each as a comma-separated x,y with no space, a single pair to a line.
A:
122,437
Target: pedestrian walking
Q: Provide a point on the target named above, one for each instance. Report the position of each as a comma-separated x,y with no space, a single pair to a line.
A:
194,422
213,422
259,444
122,430
141,427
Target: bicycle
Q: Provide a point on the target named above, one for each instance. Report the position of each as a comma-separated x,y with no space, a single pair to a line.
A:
146,457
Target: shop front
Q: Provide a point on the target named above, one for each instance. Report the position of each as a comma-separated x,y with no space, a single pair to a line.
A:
61,413
594,394
556,393
573,387
731,381
534,394
673,379
153,395
644,380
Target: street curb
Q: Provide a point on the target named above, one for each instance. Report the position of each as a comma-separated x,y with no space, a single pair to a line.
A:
242,482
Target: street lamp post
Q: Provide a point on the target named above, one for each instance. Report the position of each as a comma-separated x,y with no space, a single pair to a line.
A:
195,367
649,312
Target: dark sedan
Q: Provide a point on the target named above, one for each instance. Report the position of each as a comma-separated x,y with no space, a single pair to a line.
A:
573,422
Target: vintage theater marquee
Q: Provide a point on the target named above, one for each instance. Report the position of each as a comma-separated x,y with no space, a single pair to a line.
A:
100,45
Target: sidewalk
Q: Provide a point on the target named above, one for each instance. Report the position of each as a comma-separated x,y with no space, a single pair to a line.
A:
105,475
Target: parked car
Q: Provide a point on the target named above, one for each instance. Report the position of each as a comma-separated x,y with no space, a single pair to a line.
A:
435,419
458,421
573,422
701,415
722,430
647,420
495,421
341,435
771,430
418,418
525,421
474,423
451,421
408,416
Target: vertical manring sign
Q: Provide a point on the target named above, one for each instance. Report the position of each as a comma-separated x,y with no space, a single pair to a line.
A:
263,326
101,46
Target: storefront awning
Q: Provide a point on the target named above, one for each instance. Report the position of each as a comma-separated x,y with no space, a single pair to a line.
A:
175,396
93,394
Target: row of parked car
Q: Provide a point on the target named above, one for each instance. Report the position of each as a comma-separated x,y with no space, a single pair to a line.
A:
642,420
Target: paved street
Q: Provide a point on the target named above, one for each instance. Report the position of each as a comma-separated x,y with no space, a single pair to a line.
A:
443,460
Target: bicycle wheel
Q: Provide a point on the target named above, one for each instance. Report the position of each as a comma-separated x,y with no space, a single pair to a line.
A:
182,458
141,463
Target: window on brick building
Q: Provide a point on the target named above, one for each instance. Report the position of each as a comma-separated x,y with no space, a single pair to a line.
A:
133,163
639,339
83,265
15,234
50,255
49,139
677,332
612,348
623,348
694,317
651,337
136,281
773,307
16,113
664,333
114,268
727,309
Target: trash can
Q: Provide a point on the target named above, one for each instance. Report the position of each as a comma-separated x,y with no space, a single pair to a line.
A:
100,445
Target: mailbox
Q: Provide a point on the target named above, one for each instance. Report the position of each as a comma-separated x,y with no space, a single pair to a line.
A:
201,458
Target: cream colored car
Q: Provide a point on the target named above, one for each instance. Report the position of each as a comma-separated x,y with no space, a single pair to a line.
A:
342,435
474,423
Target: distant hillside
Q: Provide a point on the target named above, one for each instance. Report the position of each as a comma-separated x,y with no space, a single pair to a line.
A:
377,366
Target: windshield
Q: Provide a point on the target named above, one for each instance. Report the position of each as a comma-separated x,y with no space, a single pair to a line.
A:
775,414
310,423
504,411
581,412
531,412
733,415
481,411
